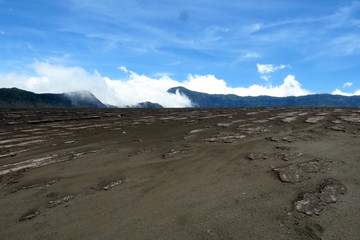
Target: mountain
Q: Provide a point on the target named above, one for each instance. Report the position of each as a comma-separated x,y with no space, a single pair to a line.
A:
146,105
230,100
14,97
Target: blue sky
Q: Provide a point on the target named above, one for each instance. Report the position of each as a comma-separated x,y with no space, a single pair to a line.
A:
315,42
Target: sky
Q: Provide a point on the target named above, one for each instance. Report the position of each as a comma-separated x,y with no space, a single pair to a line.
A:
130,51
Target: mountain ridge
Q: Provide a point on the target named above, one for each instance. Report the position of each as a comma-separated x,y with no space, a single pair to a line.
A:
14,97
200,99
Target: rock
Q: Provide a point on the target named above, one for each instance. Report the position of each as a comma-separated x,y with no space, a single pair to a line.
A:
225,137
107,185
336,122
57,202
338,127
29,215
314,119
289,119
299,172
173,153
290,156
256,156
274,139
284,148
314,202
353,118
198,130
261,121
223,124
255,130
113,184
288,139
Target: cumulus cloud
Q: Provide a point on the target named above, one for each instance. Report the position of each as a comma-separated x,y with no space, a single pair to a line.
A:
265,69
210,84
348,84
135,88
339,92
269,68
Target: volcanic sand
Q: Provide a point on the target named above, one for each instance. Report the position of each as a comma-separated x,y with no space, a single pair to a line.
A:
229,173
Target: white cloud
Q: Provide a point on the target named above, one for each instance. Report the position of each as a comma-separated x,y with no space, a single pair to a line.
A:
348,84
339,92
135,88
210,84
269,68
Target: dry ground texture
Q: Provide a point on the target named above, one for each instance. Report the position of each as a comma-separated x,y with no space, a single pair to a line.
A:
231,173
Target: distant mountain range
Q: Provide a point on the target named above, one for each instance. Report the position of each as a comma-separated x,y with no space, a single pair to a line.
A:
199,99
14,97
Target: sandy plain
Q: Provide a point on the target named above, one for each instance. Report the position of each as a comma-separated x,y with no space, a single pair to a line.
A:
229,173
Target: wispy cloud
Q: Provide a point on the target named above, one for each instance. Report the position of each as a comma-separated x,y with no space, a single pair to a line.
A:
348,84
345,45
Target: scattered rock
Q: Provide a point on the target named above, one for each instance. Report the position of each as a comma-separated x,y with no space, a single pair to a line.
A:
255,130
353,118
288,139
299,172
58,202
314,202
40,162
284,148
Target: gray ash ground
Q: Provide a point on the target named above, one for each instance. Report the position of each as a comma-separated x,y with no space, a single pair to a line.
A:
226,173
